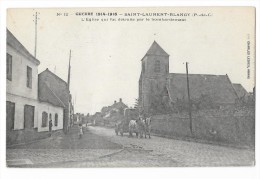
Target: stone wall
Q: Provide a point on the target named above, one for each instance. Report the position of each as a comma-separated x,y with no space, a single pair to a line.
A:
229,126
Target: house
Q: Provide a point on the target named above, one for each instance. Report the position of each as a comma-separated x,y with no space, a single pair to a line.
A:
51,107
116,107
54,90
158,87
32,100
21,86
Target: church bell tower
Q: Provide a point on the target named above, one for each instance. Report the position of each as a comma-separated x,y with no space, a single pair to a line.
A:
152,82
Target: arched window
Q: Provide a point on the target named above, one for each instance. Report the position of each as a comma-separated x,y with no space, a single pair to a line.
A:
44,119
56,120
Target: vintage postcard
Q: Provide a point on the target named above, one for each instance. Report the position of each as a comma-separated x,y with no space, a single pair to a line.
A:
130,87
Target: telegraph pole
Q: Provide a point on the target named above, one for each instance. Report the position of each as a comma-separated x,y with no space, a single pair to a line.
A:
35,45
69,71
70,107
188,88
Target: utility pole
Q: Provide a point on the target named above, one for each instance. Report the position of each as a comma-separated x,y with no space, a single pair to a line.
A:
70,107
36,23
188,88
69,72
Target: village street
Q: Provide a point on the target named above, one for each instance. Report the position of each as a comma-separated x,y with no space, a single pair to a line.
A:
100,147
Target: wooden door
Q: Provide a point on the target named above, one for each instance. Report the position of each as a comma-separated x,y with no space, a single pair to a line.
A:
28,117
10,111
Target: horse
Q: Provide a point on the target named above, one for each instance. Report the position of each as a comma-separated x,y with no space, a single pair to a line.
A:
148,122
133,128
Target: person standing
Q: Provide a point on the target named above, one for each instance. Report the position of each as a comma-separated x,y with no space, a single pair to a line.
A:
80,131
50,126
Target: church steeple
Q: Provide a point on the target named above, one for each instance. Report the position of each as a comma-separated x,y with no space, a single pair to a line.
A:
155,68
156,49
156,61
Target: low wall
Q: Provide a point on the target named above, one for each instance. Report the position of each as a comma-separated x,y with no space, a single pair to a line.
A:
233,128
24,136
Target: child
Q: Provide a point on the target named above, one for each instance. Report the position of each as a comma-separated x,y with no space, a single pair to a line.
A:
80,131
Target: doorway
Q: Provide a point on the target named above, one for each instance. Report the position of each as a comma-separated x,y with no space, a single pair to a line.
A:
28,117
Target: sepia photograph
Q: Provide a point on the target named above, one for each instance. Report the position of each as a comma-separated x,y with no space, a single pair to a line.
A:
130,87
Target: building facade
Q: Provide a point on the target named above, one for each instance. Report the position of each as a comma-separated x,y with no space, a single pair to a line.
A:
30,104
159,89
21,86
54,90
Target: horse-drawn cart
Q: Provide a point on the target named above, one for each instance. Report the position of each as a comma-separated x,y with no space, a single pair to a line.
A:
122,126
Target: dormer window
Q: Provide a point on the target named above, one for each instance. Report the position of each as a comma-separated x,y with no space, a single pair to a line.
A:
157,66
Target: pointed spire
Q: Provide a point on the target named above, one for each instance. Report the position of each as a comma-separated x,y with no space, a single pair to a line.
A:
156,49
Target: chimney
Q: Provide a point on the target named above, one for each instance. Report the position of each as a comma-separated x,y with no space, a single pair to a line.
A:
120,99
114,102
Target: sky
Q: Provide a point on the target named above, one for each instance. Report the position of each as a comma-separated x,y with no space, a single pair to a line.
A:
106,56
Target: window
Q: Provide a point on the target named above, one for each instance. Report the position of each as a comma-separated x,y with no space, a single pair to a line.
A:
44,119
56,120
157,66
29,77
8,67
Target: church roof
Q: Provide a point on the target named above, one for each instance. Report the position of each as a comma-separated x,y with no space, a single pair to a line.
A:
240,90
217,87
156,49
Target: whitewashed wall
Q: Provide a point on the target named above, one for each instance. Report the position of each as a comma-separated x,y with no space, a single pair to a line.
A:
49,108
19,75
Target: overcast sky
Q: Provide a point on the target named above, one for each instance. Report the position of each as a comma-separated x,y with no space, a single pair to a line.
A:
106,56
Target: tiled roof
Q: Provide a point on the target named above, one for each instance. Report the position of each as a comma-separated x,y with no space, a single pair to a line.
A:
53,89
47,95
218,87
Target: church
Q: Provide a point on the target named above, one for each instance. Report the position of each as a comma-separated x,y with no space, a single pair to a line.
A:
161,91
